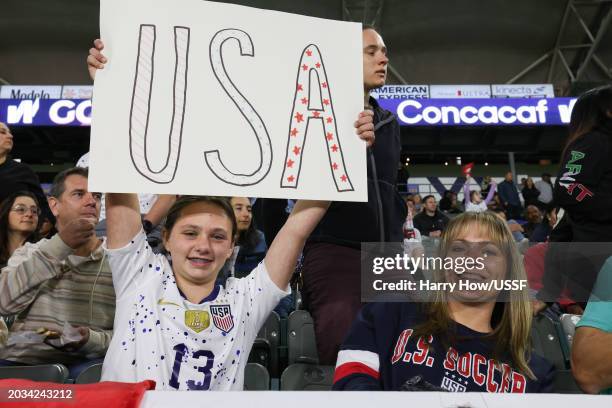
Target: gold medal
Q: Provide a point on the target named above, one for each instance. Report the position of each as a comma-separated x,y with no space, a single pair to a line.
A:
197,320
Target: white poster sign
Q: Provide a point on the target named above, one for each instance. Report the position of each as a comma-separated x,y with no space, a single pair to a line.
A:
210,98
77,92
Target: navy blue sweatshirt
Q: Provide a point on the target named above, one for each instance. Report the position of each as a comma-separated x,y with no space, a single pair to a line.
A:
380,353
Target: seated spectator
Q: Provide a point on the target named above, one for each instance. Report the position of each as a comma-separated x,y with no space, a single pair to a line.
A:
16,176
18,223
430,221
542,231
446,200
418,202
515,228
61,286
462,340
251,241
530,193
452,206
495,204
473,199
533,217
545,188
592,345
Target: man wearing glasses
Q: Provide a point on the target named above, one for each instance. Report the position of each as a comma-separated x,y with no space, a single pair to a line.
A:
61,288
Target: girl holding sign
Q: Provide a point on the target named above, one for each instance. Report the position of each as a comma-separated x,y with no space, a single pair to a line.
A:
173,324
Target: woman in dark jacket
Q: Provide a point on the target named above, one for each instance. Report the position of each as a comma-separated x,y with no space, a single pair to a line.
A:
584,190
530,193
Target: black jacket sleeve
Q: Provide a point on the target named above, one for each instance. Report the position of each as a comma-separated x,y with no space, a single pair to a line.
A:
583,187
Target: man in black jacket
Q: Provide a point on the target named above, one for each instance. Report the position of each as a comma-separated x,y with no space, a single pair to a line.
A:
430,222
16,176
331,268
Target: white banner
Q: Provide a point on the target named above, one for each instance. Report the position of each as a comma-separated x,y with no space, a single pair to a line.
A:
401,92
459,91
209,98
77,92
30,92
522,91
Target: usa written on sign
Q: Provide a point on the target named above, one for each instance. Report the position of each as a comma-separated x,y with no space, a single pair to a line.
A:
296,119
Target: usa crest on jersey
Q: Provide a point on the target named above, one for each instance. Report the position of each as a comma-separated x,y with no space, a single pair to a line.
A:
222,317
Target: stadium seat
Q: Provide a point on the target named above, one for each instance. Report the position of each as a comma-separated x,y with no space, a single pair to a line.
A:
256,378
568,324
307,377
261,353
301,339
546,343
57,373
90,375
265,348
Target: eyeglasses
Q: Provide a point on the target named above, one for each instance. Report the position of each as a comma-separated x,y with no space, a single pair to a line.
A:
22,210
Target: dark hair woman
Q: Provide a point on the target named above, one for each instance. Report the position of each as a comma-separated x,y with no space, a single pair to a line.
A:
584,190
19,221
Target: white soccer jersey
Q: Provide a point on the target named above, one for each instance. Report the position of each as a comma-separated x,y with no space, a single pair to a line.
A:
161,336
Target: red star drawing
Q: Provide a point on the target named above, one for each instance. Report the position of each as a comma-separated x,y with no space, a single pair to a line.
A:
329,120
316,114
299,117
304,101
296,150
330,136
318,65
324,84
325,101
290,179
299,87
335,166
309,53
343,178
290,163
305,67
294,132
334,148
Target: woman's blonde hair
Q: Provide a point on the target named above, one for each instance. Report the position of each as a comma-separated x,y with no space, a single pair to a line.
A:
511,319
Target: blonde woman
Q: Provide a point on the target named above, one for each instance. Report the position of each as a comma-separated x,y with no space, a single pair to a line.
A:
460,341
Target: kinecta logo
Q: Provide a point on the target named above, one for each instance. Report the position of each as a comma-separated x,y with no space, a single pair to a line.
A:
18,94
411,112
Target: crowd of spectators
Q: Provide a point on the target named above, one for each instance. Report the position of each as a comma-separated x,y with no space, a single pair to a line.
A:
74,295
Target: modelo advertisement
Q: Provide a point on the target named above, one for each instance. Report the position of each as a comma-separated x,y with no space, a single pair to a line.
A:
481,112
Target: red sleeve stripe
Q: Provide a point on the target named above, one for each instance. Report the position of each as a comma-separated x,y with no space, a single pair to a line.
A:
347,369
